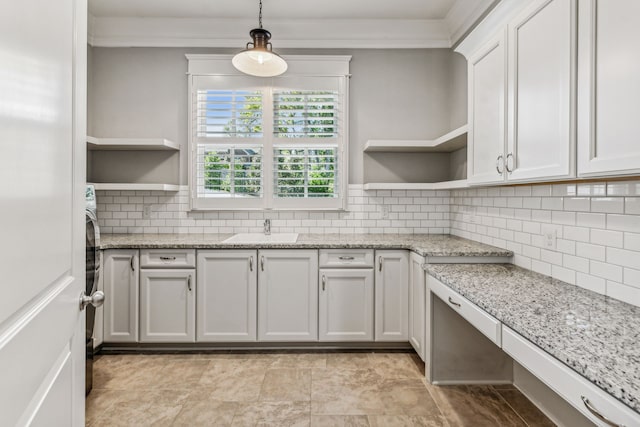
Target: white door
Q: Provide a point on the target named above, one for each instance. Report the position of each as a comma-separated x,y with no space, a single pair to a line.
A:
487,107
167,305
288,295
227,295
42,224
392,295
121,289
346,305
542,48
417,302
609,88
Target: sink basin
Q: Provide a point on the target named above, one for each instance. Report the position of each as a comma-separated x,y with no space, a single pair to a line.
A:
263,238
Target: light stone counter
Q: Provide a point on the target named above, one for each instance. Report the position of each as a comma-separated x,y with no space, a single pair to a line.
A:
432,245
596,336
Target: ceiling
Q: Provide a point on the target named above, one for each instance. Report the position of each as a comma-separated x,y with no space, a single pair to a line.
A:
294,23
274,9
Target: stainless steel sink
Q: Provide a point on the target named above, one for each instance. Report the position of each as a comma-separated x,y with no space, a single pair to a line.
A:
263,238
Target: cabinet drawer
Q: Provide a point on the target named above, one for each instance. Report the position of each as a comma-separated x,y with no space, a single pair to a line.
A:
167,258
481,320
571,386
350,258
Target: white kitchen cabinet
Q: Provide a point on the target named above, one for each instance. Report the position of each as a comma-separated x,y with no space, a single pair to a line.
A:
288,295
227,295
487,109
608,88
541,95
121,290
346,305
167,305
417,304
392,295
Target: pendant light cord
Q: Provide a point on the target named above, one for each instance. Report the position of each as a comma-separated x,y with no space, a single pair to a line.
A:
260,15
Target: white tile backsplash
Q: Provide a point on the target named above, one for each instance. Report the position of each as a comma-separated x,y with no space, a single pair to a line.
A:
597,225
597,228
409,212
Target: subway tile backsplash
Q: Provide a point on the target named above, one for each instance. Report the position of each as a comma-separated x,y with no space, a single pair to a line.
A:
407,212
596,226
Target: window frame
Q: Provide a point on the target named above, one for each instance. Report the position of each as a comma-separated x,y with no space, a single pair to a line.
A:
302,66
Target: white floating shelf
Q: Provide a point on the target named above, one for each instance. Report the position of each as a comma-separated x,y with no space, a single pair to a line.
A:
452,141
124,144
128,186
444,185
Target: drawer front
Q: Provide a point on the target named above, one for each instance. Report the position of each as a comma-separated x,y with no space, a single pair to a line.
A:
167,258
480,319
567,383
349,258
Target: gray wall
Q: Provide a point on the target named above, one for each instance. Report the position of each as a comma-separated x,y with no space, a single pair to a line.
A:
394,94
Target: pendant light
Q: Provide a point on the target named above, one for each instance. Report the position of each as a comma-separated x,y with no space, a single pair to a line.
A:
259,59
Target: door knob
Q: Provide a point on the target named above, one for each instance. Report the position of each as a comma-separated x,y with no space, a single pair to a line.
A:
96,299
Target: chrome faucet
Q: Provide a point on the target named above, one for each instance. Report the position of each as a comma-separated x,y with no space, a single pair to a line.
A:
267,227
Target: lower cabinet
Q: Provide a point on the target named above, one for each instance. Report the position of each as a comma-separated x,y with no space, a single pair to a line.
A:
167,305
288,295
121,288
417,305
392,295
227,295
346,305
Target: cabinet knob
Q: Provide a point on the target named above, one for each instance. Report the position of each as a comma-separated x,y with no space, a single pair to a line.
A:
251,263
131,263
324,282
380,263
452,302
262,262
189,283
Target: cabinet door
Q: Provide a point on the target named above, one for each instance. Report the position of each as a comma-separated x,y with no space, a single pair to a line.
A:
167,305
487,106
542,75
392,295
417,303
288,295
346,305
121,295
227,295
609,88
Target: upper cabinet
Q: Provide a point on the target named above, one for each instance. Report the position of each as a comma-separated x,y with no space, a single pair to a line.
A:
542,49
487,87
521,98
608,88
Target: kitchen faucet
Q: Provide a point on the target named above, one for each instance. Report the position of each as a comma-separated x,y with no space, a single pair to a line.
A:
267,227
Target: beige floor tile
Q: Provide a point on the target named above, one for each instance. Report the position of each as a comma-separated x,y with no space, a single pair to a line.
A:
295,414
206,413
128,372
527,410
286,385
348,361
405,421
477,406
339,421
300,360
98,401
413,397
228,381
397,365
143,408
181,374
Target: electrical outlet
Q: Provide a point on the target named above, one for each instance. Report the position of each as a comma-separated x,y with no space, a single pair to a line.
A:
384,209
146,211
550,237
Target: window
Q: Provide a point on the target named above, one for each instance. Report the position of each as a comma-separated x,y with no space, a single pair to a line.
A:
267,143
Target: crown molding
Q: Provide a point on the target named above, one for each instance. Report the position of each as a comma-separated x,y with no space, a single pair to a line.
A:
464,14
234,33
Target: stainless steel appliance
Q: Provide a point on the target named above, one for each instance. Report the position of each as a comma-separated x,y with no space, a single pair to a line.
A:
92,276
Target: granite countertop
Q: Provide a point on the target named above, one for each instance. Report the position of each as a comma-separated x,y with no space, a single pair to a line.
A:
595,335
423,244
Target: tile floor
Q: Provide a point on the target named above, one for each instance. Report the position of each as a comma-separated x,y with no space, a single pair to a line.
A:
292,389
